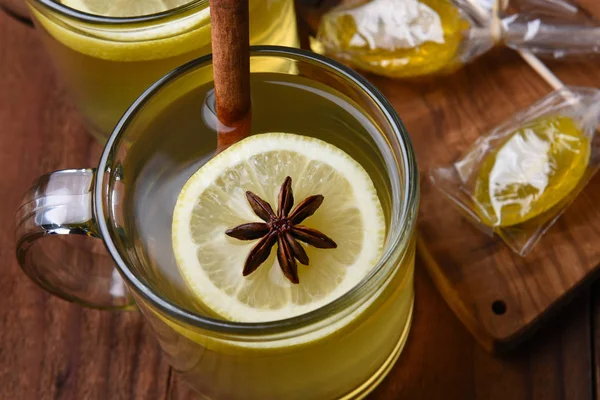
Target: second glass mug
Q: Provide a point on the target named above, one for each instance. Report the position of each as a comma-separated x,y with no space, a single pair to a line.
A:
107,62
339,351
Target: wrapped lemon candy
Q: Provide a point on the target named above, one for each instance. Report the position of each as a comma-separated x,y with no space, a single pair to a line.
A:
411,38
517,180
532,170
396,38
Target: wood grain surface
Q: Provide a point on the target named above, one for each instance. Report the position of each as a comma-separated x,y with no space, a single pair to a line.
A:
50,349
501,297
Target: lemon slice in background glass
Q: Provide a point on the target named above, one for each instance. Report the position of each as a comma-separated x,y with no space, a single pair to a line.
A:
214,200
536,168
123,8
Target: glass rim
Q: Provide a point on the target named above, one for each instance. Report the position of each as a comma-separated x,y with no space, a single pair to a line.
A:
406,218
106,20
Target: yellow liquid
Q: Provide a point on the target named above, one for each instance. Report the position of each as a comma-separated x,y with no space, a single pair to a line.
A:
344,358
535,169
107,67
428,57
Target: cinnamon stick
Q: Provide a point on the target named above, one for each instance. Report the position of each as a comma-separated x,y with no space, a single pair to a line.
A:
231,69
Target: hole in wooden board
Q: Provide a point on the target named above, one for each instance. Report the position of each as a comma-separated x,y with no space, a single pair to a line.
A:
499,307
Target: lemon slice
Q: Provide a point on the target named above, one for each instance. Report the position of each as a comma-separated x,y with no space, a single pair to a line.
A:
123,8
153,41
214,200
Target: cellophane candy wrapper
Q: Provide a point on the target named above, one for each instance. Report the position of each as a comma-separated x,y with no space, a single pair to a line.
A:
412,38
550,29
402,38
518,179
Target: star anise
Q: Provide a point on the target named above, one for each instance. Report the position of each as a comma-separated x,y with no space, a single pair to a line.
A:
282,228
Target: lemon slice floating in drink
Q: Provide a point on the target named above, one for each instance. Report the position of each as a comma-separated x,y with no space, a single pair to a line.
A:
134,42
214,200
123,8
535,169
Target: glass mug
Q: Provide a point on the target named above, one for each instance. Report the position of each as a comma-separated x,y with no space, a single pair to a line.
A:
107,62
341,350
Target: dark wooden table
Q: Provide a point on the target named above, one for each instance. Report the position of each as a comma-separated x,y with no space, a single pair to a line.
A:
51,349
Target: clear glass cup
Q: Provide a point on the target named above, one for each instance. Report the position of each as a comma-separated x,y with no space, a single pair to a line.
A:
106,63
339,351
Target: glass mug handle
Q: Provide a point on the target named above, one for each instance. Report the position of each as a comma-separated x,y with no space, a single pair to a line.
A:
58,245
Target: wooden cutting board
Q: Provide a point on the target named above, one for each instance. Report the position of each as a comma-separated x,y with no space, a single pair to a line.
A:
499,296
